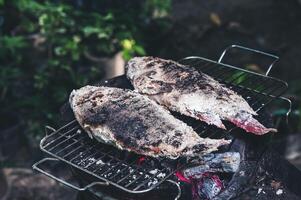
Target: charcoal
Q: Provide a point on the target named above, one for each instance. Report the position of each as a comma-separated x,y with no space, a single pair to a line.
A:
220,162
208,186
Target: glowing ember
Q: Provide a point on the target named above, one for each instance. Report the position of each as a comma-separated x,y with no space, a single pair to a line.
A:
141,160
181,177
205,187
209,186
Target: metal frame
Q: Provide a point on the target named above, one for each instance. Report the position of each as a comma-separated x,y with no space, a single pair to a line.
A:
209,131
276,58
44,144
37,168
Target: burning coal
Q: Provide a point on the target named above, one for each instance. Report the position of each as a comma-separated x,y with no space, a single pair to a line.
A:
205,174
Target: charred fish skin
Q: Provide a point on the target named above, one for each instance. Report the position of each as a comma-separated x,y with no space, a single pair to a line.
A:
183,89
133,122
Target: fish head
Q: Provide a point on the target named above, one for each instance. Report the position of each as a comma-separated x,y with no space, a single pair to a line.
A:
138,65
90,94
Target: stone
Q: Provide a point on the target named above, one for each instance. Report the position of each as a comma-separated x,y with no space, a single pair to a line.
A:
23,183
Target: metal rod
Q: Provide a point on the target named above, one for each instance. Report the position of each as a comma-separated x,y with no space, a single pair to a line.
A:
61,142
276,58
146,181
68,146
258,99
83,152
63,127
72,151
134,161
37,168
49,130
289,109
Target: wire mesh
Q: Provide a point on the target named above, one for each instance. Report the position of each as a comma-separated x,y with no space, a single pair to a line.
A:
119,168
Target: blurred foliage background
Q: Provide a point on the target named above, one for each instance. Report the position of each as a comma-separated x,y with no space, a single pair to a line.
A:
48,48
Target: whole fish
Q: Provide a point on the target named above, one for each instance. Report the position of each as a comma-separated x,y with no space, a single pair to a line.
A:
133,122
183,89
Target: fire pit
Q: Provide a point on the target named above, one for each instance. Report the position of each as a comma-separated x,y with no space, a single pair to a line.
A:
104,169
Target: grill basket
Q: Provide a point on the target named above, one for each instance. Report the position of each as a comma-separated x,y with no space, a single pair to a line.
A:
124,170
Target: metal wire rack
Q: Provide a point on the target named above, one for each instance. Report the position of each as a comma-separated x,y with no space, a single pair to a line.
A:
123,169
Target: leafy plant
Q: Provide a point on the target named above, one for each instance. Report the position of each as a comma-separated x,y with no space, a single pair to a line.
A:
49,48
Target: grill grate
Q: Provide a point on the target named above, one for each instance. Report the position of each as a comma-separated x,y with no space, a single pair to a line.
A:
120,168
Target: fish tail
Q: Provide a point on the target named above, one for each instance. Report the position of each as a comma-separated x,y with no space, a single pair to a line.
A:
250,124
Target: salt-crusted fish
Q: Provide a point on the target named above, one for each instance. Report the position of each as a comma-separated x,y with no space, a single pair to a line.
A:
133,122
183,89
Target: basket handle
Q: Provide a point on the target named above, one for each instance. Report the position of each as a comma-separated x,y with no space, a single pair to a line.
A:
37,168
276,58
49,130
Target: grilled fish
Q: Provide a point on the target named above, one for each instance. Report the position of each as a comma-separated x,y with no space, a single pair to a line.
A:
183,89
134,122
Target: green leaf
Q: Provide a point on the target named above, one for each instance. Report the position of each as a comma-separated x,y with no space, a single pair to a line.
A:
42,19
109,16
102,35
126,55
60,51
140,50
61,30
76,38
89,30
12,43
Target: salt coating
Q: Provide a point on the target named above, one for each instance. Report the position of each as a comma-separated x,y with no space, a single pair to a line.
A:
154,171
178,140
186,90
150,183
279,192
100,162
259,190
161,175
